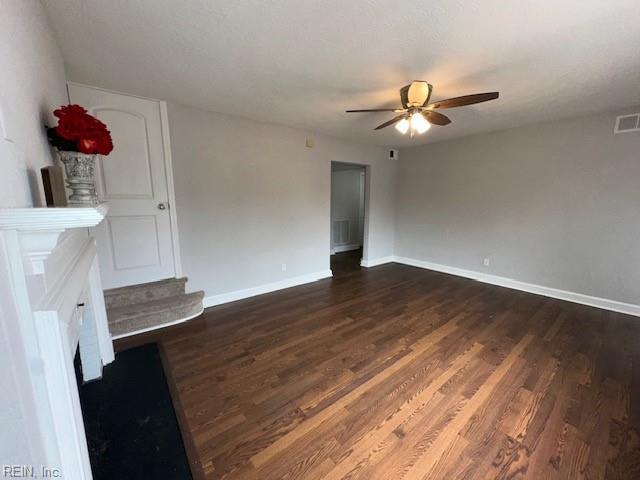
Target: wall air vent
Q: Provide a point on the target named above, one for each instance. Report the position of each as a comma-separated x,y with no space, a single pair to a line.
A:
627,123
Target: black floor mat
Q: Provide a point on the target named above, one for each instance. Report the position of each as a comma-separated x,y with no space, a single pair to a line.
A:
131,427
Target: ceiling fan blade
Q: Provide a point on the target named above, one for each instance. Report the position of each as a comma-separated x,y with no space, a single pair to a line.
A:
391,122
436,118
376,110
465,100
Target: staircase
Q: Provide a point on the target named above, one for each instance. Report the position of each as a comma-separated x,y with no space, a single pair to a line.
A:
148,306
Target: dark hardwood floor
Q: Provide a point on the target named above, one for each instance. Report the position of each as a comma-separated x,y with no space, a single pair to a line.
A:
346,263
399,373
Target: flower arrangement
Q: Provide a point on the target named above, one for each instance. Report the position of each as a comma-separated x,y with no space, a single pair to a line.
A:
77,131
79,138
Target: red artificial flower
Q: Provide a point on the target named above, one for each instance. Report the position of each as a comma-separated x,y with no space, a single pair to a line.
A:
69,110
88,133
100,144
71,127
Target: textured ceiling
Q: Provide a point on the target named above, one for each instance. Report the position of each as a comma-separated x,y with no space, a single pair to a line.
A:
303,62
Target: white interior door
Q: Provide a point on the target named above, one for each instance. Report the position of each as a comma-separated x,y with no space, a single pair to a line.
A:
135,242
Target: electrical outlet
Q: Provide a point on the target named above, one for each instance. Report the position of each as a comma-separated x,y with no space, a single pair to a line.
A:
308,143
486,262
284,267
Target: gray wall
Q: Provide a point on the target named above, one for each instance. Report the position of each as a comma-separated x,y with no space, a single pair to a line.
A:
250,197
31,85
555,204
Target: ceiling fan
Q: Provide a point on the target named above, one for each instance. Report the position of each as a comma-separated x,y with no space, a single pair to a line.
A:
417,113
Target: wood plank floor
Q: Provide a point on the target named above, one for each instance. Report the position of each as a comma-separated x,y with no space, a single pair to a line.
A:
400,373
346,263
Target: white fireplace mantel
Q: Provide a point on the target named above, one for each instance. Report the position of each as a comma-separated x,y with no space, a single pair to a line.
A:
44,219
40,228
54,282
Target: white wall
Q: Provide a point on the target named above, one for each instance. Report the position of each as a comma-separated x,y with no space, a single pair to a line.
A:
251,196
32,84
347,202
555,204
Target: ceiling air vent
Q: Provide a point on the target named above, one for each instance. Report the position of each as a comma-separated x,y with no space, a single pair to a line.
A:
627,123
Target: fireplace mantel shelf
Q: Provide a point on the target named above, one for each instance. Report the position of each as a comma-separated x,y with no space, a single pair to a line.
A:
57,219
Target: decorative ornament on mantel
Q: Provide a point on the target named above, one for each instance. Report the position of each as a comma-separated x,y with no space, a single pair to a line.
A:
79,139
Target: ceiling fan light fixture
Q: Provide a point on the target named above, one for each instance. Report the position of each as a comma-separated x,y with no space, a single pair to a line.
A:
417,114
403,126
419,124
418,93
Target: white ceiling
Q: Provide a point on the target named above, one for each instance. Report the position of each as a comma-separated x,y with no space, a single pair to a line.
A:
303,62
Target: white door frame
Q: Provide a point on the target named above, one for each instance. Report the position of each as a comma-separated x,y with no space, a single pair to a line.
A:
366,169
168,166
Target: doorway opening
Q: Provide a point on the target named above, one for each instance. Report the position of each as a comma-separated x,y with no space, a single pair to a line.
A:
348,196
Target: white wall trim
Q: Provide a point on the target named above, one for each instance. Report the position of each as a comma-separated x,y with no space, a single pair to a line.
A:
376,261
598,302
171,193
213,300
574,297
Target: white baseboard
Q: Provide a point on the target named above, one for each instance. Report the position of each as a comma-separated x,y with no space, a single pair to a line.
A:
604,303
376,261
598,302
344,248
266,288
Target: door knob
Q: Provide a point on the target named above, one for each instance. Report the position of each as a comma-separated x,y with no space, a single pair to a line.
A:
162,206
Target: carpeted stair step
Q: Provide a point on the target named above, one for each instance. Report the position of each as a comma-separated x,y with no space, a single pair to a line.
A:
169,287
130,319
